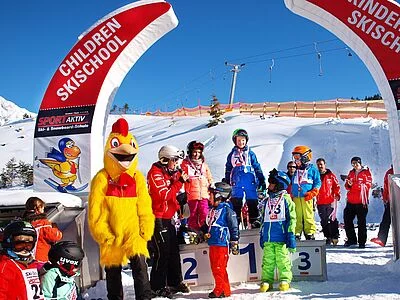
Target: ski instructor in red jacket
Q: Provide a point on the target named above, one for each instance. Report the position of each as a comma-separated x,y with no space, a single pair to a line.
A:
327,198
165,181
358,183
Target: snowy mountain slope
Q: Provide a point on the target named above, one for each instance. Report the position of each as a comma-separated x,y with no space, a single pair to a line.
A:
10,112
271,139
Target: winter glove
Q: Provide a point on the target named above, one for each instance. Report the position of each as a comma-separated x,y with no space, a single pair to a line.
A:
311,194
181,198
291,242
225,180
234,247
261,186
185,211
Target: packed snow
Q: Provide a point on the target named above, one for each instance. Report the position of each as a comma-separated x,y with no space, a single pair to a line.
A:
368,273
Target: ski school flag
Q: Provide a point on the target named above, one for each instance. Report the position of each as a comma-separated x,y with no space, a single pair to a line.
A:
68,145
371,28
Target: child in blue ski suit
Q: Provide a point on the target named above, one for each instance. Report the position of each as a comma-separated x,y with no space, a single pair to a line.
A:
58,281
222,233
277,232
244,174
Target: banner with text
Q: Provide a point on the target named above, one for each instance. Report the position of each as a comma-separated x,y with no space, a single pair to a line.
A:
72,117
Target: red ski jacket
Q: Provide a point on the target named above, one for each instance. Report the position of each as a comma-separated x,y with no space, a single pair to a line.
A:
385,194
12,283
163,187
358,193
329,190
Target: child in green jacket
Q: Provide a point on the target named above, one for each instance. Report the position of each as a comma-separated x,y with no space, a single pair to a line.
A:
58,281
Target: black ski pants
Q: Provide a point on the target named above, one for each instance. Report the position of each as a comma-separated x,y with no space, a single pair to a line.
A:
166,269
350,212
329,228
140,280
251,204
385,224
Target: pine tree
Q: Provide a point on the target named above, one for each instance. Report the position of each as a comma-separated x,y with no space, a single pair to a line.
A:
25,173
215,113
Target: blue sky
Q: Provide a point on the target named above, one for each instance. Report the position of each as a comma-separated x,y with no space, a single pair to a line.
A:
186,66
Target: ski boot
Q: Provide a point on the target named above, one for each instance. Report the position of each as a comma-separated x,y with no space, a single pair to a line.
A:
265,287
284,286
310,237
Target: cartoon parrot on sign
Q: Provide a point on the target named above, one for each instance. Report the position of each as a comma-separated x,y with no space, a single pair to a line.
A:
64,166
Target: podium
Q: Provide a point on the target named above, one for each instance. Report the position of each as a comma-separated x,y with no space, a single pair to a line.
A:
308,263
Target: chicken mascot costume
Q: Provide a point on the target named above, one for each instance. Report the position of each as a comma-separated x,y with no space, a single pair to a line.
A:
120,213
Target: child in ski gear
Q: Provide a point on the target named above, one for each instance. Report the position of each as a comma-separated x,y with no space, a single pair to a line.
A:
277,232
291,169
244,174
305,186
19,278
327,198
196,187
357,184
120,216
222,233
385,223
47,232
165,181
58,281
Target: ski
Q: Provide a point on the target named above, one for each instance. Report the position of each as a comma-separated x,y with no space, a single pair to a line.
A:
55,185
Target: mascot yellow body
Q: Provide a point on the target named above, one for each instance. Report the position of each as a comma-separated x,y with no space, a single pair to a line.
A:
120,214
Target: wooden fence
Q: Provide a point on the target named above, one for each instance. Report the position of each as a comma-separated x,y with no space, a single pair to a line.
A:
338,108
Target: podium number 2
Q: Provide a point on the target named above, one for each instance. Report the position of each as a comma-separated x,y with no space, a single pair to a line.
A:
193,265
306,260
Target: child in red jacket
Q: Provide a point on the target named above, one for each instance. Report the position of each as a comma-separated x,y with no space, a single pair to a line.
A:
19,278
47,232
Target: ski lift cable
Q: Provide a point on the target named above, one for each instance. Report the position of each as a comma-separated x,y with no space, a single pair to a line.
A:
283,50
294,55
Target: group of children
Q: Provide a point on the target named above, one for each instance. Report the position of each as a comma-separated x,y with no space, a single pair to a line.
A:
34,263
275,214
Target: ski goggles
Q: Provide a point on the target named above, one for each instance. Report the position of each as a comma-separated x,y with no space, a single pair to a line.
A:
69,269
297,156
19,246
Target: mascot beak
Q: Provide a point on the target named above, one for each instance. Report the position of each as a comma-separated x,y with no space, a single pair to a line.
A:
123,155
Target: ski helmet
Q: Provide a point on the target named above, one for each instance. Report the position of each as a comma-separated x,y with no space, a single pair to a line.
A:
239,132
194,145
221,191
169,152
67,255
19,250
17,228
302,153
280,179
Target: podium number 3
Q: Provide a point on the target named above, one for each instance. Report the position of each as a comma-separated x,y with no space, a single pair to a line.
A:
304,258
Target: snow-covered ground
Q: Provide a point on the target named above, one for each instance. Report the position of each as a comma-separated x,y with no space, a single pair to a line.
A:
352,273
